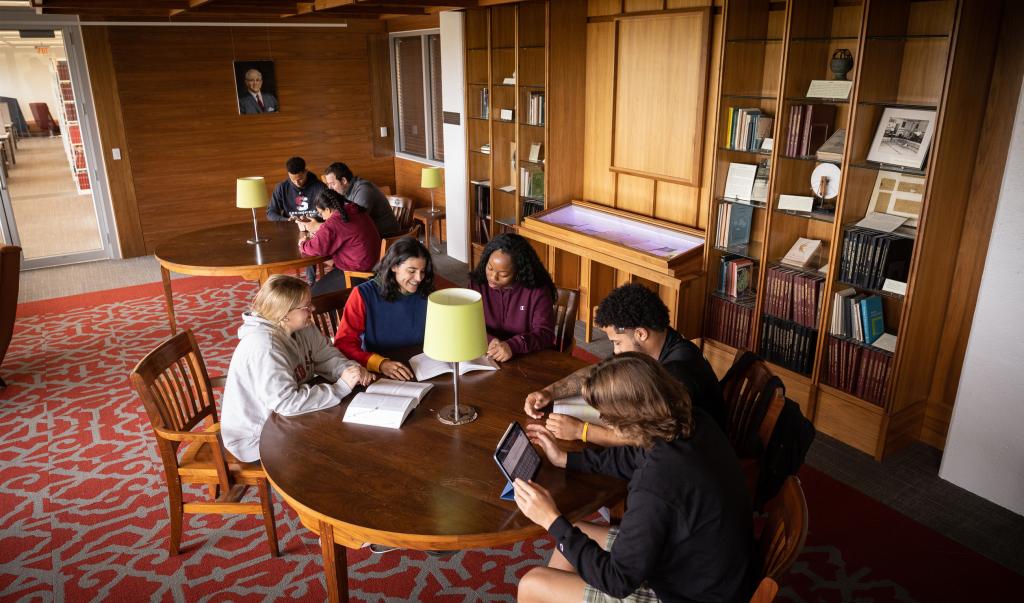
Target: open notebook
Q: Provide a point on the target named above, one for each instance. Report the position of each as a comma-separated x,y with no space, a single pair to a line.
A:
386,403
426,367
576,406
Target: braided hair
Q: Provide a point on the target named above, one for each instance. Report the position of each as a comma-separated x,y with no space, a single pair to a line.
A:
336,202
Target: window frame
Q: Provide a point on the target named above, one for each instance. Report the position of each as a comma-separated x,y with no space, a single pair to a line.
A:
428,108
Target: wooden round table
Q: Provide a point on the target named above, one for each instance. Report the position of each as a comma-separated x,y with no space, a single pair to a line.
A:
426,486
223,251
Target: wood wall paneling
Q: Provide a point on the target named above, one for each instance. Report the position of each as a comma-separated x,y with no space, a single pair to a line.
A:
599,8
380,98
598,180
187,141
566,90
414,22
635,194
407,183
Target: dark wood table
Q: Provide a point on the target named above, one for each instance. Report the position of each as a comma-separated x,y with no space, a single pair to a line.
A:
223,251
426,486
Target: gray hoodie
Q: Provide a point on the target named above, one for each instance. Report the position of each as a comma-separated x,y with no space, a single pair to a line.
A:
271,372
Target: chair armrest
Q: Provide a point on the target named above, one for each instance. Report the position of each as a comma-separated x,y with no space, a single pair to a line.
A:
211,435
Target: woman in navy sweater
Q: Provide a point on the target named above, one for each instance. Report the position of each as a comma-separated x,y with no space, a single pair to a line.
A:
388,311
518,294
686,534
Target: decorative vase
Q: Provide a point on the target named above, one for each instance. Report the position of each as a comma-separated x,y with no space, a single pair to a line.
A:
841,64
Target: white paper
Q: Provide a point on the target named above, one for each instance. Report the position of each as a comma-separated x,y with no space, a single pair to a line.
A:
408,389
577,407
740,181
802,252
829,89
882,222
767,144
894,287
426,367
505,114
887,342
535,151
379,410
796,202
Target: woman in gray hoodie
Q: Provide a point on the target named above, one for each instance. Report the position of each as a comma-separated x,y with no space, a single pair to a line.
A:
282,364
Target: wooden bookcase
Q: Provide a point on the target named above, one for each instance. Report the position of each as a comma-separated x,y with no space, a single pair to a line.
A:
510,58
917,54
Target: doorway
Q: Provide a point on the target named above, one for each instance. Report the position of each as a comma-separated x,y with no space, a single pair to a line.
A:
51,199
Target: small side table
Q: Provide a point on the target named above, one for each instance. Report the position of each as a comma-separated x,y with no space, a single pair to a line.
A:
428,217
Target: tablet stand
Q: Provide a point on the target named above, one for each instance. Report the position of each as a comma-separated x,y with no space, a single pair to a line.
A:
508,492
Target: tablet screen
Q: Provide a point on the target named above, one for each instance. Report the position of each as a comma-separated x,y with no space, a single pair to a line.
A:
515,456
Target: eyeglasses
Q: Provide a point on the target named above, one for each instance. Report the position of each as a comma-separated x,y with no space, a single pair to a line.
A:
309,308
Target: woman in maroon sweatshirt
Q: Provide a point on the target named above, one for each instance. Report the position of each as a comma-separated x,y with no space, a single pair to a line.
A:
347,234
518,295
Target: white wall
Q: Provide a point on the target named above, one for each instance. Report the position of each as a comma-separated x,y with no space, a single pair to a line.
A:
26,76
985,448
453,99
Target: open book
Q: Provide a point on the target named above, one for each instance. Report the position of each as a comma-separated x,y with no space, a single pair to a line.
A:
426,367
576,406
385,403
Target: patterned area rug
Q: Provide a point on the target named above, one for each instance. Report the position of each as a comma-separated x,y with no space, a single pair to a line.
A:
83,502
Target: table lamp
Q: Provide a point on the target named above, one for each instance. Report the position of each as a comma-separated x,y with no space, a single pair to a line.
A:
430,178
455,332
251,192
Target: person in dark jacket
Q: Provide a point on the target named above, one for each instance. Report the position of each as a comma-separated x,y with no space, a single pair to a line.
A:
339,178
293,198
347,235
687,533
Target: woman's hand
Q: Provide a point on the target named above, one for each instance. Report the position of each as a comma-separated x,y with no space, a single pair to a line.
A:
355,375
564,427
396,370
499,350
543,438
536,401
536,503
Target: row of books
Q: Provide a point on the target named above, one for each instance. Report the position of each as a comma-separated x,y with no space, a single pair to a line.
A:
532,206
788,344
857,316
736,276
485,103
531,183
535,108
809,128
793,295
858,370
482,200
870,257
729,322
734,221
747,128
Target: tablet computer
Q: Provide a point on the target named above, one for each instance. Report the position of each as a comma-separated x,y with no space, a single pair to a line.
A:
515,456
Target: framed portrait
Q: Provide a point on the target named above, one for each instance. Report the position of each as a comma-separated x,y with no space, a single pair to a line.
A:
903,137
256,87
899,195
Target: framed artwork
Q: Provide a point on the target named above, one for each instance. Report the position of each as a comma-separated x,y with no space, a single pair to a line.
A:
903,137
899,195
256,87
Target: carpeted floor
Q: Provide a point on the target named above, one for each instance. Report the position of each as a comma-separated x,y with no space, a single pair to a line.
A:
82,497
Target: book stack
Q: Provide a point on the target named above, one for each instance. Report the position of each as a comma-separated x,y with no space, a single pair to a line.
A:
793,295
734,222
535,108
747,129
857,316
485,103
858,370
532,206
736,275
809,128
832,150
870,257
730,322
482,199
788,344
531,183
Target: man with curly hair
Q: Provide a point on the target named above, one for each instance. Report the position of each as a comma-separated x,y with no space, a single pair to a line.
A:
635,320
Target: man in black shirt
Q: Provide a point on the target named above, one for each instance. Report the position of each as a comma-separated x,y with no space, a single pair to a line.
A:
635,320
294,196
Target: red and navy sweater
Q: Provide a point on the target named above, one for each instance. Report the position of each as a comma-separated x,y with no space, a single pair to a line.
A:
371,326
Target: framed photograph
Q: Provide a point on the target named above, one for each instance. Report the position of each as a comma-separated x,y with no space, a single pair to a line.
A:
899,195
903,137
256,87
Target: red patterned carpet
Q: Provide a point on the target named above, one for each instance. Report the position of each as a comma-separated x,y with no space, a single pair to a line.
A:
83,513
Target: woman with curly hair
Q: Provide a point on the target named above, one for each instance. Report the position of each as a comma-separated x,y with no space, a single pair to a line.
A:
347,235
518,295
687,533
389,311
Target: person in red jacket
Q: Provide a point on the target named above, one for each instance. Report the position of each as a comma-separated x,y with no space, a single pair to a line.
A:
347,234
518,296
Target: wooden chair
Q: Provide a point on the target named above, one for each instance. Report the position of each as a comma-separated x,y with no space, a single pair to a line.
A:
10,276
402,206
353,274
386,243
785,529
565,319
328,310
176,391
766,591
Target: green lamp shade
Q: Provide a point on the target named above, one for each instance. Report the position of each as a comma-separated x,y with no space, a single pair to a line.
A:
430,177
251,192
455,330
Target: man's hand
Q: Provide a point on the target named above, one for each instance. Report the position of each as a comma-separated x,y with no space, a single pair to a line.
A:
536,401
536,503
540,436
564,427
499,350
396,370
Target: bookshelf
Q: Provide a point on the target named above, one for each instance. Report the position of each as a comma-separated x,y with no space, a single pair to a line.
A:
523,127
908,54
71,130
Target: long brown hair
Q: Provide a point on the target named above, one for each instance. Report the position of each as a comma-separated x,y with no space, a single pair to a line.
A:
640,399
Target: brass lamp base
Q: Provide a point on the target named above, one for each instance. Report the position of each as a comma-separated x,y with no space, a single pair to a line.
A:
452,415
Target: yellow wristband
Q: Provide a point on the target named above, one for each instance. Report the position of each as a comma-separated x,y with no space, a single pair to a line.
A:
586,426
